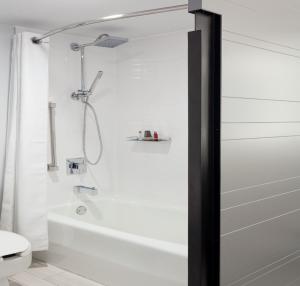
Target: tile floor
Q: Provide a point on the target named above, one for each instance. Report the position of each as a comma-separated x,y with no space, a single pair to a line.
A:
43,274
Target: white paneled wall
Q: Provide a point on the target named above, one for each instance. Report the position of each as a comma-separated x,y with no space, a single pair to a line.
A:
260,163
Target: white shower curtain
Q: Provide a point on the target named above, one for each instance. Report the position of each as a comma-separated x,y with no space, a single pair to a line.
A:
24,208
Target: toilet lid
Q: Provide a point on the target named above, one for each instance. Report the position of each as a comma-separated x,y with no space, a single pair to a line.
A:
12,243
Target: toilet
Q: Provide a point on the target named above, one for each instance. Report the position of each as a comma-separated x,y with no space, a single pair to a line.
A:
15,255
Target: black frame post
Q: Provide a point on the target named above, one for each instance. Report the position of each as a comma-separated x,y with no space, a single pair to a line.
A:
204,67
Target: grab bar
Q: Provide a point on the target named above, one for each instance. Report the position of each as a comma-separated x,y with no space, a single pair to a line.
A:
53,165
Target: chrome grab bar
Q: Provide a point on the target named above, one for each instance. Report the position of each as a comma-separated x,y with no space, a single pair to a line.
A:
53,165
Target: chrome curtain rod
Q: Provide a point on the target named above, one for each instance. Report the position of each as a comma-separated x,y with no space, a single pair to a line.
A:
37,40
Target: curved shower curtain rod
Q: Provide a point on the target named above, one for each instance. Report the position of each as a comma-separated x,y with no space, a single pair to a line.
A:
37,40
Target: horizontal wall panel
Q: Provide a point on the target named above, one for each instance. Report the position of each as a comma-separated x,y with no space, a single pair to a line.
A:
253,193
252,162
278,267
263,211
247,251
280,276
249,110
260,164
251,71
238,131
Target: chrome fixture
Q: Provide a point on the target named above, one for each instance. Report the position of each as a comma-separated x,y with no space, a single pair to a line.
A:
103,40
53,165
81,210
85,190
83,94
76,166
37,40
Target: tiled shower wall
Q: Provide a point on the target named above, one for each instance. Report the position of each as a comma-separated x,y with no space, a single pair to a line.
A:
152,94
144,86
64,78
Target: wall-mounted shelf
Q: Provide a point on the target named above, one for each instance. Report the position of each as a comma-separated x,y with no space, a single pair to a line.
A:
137,139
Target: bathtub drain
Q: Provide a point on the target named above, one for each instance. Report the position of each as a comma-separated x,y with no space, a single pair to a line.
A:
81,210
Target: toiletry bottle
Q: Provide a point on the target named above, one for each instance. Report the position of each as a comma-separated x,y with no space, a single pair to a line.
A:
155,136
147,135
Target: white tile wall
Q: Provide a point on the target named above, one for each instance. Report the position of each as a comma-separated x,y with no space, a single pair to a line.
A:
64,79
144,86
152,94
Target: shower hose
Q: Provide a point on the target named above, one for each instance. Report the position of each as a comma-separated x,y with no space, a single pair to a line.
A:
86,105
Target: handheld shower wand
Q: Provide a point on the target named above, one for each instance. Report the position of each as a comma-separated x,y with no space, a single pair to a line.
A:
83,94
95,82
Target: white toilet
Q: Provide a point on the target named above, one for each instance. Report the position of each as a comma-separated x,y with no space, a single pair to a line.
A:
15,255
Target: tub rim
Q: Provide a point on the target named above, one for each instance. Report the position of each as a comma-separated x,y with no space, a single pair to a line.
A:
152,243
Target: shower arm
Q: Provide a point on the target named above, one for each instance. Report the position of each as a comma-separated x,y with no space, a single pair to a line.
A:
38,40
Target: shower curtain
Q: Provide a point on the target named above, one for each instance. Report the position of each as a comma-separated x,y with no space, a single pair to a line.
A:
24,206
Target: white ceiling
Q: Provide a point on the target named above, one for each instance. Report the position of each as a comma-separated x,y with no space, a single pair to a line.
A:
49,14
271,20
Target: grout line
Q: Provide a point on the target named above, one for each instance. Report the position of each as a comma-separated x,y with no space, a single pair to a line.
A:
260,48
259,185
261,99
263,137
263,268
260,222
270,271
261,40
260,200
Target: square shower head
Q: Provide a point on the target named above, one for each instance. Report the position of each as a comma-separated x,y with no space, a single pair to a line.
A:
110,41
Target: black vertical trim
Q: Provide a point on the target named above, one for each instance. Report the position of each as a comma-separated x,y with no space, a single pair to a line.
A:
204,67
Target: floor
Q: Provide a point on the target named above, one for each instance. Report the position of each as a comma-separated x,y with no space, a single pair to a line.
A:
43,274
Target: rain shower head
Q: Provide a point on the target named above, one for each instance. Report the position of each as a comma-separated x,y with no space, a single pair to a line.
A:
108,41
104,40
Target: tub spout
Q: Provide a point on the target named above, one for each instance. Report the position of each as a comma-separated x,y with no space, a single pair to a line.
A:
85,190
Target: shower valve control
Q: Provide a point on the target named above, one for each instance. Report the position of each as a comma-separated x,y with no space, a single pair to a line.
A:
76,166
80,94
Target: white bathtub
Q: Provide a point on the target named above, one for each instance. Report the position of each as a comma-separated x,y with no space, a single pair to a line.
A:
120,243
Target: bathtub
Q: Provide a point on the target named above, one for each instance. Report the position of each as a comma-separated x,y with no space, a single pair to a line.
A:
119,243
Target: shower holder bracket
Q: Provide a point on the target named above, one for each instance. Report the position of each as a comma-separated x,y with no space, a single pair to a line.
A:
51,167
